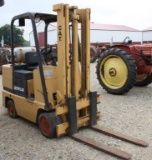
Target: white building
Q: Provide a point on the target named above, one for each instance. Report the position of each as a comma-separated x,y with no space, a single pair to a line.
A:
147,34
103,33
115,33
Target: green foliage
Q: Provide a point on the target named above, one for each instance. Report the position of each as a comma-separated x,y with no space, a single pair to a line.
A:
18,35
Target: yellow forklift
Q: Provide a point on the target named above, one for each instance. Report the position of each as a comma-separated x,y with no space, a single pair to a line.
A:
57,95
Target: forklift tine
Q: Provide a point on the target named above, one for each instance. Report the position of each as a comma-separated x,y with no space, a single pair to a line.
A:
102,147
119,135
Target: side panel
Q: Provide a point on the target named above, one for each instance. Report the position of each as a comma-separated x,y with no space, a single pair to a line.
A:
25,108
30,88
7,76
51,85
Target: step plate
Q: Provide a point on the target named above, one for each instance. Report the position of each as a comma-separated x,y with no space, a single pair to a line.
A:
102,147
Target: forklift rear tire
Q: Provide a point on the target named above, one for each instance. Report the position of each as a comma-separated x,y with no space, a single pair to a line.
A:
11,109
47,124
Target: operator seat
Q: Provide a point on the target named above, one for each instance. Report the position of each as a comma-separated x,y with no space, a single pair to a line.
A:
31,60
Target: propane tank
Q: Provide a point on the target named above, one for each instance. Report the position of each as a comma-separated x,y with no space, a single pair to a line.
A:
19,53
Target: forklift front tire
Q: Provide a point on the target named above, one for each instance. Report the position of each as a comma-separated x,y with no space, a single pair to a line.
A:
47,124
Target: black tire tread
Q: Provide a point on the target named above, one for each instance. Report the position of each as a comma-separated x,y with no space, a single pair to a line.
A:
93,49
130,63
145,82
53,120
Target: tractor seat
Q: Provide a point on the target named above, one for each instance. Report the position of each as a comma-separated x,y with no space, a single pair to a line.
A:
31,60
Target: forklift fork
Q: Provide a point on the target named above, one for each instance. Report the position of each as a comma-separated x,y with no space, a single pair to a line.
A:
73,131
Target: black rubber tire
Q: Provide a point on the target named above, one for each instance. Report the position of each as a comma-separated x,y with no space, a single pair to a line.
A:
11,109
130,71
145,82
3,60
47,124
93,54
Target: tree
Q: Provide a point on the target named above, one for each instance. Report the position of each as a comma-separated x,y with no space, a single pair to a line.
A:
18,35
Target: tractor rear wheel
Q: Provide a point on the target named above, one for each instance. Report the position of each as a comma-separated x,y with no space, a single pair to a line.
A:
47,124
116,71
11,109
93,54
143,80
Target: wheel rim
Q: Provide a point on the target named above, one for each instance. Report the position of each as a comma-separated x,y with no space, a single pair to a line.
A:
45,126
10,109
113,72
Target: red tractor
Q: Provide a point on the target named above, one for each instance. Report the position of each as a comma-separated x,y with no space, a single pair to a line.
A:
122,66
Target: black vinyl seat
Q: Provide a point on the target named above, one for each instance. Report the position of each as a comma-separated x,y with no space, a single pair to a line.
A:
31,60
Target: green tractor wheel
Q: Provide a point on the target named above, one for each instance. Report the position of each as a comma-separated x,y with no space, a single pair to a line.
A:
116,71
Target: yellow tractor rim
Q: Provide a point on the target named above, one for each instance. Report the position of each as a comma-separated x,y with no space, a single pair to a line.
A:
113,71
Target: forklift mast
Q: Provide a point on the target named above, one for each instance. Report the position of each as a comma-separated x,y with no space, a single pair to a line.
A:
71,82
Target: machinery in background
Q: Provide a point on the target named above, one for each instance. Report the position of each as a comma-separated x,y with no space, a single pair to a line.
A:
122,66
5,56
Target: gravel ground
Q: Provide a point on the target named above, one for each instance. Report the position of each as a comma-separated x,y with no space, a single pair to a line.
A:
130,114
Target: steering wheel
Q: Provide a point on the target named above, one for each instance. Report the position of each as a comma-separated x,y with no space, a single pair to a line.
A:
46,51
125,40
50,55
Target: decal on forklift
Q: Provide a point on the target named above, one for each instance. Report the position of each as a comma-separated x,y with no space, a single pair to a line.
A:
18,88
48,74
